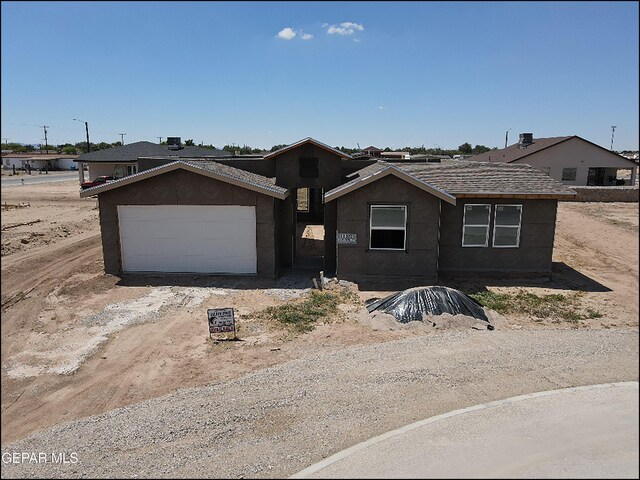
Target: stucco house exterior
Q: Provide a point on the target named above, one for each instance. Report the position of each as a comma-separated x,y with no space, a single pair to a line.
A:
571,160
118,162
37,161
241,215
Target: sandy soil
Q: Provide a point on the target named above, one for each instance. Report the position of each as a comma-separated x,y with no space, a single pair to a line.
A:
77,342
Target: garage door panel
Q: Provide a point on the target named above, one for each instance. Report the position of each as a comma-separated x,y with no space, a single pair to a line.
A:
202,239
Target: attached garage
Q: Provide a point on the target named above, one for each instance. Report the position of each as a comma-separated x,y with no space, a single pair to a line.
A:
190,217
216,239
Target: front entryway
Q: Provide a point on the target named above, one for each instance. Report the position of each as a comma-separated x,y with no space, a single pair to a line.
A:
309,247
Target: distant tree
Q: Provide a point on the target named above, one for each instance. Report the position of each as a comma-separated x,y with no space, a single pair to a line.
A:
277,147
189,143
480,149
465,148
18,148
70,150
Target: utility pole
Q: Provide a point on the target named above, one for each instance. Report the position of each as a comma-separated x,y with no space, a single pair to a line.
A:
613,130
46,144
159,139
506,138
86,126
122,138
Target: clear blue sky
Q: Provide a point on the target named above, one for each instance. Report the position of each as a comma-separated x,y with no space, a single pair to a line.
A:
387,74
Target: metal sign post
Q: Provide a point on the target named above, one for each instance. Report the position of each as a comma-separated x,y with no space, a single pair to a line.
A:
221,320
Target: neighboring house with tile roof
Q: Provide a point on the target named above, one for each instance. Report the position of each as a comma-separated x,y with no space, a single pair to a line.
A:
571,160
380,219
118,162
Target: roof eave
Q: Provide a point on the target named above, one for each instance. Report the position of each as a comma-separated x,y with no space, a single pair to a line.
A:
302,142
390,170
280,194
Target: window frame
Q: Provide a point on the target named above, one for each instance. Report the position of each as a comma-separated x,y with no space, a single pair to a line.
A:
404,229
575,174
464,224
546,170
495,224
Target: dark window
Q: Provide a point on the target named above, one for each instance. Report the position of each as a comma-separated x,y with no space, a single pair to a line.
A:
569,174
309,167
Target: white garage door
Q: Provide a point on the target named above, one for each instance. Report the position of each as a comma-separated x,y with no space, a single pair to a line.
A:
179,238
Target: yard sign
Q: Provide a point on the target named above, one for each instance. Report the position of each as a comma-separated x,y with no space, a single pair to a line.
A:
221,320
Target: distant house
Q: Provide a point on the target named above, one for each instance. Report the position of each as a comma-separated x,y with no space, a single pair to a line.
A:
571,160
380,219
118,162
372,151
37,161
395,156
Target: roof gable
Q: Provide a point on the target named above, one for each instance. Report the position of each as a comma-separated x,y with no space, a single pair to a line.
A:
211,169
379,170
514,153
305,141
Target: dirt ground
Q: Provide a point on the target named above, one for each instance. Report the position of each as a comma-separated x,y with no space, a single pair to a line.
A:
77,342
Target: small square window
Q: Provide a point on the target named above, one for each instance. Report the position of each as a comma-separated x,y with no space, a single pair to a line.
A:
308,167
569,174
546,170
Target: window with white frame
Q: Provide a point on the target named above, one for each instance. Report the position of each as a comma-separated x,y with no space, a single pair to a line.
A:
388,227
506,226
475,225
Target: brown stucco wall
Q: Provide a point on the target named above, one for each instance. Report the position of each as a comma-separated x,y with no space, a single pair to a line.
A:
180,187
420,257
287,168
532,256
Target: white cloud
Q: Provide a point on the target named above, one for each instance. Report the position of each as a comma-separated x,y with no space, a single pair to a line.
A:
306,36
381,107
325,25
286,34
345,28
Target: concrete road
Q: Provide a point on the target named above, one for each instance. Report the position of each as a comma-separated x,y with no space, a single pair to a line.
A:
35,177
583,432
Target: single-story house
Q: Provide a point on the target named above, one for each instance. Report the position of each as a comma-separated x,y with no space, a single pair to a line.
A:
118,162
241,215
37,161
571,160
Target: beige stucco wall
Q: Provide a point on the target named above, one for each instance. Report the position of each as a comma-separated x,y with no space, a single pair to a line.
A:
108,169
576,153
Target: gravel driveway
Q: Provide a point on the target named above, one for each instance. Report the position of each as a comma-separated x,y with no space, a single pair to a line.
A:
277,421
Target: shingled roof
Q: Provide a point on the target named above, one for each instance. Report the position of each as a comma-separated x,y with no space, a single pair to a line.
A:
462,178
133,151
515,152
212,169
